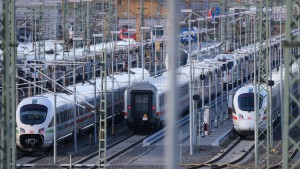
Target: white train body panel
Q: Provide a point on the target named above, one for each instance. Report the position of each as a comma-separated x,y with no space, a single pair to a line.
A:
34,115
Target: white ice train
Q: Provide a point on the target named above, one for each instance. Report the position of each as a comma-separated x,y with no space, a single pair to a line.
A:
35,115
238,66
243,113
145,102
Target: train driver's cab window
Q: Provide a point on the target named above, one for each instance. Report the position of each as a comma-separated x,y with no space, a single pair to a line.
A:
246,102
33,114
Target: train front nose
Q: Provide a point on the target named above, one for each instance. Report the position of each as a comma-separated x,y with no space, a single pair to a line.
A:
246,126
31,140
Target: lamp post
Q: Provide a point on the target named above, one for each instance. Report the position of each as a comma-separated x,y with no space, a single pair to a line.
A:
74,93
54,79
113,83
189,11
143,28
155,57
94,76
129,58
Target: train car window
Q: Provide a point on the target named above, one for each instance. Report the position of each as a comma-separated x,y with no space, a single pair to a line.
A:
161,100
66,116
57,118
62,115
145,99
246,102
33,114
81,111
183,90
230,65
138,99
70,112
51,124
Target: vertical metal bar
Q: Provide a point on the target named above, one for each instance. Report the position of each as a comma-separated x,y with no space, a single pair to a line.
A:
128,37
263,143
103,112
246,38
222,94
171,149
74,94
142,52
190,90
227,90
113,88
216,100
281,74
240,22
13,57
7,115
41,39
290,20
198,39
255,100
155,57
54,116
35,52
95,90
88,34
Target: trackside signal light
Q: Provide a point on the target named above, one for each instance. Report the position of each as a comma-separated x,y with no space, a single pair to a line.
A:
129,107
153,107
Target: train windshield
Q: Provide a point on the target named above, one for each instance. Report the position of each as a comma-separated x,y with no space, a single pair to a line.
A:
33,114
246,102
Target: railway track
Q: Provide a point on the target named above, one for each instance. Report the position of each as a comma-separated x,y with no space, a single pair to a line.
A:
112,153
236,152
46,159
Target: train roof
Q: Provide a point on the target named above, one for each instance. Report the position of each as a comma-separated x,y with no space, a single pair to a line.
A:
85,91
249,88
161,82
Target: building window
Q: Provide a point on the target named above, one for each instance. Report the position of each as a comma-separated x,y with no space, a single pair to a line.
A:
101,5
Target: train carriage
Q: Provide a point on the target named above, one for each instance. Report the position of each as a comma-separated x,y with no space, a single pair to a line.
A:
145,103
35,115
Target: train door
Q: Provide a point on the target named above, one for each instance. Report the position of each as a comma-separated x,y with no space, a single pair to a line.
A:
142,104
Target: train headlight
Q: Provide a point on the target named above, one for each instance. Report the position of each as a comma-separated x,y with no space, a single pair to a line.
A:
22,131
241,117
41,131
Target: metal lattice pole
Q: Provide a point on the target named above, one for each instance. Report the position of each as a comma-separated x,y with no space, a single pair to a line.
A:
223,5
77,22
41,28
7,115
103,113
262,135
291,120
66,25
109,22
